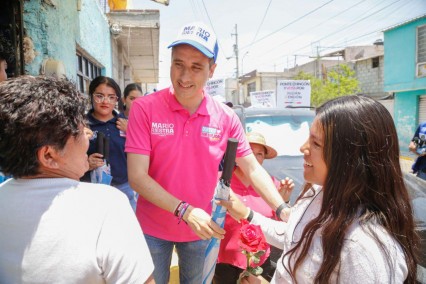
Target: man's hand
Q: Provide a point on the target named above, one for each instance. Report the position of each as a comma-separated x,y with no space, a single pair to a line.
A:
202,224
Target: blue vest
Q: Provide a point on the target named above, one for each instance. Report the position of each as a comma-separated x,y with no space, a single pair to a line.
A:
117,156
420,163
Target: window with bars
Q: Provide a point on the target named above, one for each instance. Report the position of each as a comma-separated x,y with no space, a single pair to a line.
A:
104,5
86,72
421,51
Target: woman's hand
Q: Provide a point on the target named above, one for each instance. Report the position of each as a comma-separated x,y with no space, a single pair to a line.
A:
249,278
88,132
235,207
122,124
95,161
286,188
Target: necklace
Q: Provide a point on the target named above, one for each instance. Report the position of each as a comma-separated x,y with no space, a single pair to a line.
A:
293,242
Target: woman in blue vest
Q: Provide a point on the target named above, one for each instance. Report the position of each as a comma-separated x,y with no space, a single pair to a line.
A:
418,147
104,94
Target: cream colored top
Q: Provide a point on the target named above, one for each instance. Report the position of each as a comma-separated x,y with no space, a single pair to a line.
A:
362,260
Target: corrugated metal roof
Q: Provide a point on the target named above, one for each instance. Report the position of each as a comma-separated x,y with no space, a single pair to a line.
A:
404,23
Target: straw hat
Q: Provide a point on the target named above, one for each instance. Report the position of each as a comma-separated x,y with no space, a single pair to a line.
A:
257,138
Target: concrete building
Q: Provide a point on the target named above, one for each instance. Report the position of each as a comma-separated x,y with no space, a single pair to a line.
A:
369,72
367,61
370,75
255,81
135,47
77,39
317,68
405,76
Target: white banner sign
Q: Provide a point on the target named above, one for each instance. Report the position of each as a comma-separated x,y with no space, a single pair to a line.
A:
293,92
263,99
216,89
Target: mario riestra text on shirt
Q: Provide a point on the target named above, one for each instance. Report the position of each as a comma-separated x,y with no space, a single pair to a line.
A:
162,129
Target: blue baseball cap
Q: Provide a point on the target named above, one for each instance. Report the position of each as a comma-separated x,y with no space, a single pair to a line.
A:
199,36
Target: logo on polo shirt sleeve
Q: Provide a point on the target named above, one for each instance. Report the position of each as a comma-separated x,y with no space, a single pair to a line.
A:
162,129
211,132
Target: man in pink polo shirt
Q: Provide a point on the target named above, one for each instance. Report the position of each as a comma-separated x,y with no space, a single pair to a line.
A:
176,138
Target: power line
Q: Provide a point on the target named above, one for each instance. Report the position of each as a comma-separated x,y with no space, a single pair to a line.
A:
316,26
344,28
211,24
193,8
208,16
292,22
261,23
363,18
350,40
395,10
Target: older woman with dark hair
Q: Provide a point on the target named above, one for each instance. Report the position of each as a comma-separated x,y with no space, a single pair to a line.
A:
353,222
104,93
55,228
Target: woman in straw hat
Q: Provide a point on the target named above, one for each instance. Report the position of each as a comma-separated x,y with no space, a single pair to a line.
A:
231,262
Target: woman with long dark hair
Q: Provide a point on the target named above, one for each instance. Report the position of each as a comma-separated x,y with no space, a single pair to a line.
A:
353,221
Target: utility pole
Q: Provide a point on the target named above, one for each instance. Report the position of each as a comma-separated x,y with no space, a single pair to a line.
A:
317,71
237,71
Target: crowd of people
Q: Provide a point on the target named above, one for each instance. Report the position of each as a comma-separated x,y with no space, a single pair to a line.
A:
352,223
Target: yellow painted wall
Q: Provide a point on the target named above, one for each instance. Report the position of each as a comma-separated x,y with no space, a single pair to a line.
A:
117,4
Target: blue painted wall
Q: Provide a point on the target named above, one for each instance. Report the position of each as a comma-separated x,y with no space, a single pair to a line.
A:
94,35
400,58
55,30
400,78
52,31
405,118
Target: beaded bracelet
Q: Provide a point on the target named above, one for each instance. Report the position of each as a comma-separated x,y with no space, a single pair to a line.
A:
178,208
182,212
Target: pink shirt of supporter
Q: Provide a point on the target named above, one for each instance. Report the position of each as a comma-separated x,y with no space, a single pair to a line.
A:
185,151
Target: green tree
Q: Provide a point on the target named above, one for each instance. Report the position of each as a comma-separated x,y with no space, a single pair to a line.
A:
340,81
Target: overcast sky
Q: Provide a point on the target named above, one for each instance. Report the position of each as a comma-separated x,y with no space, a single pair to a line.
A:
276,34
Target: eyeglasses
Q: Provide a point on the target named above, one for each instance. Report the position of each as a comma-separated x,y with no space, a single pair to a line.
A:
99,98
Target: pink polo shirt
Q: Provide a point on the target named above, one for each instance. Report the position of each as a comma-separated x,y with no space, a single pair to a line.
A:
185,152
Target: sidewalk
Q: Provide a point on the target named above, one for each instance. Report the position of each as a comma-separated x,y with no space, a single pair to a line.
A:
406,163
174,269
